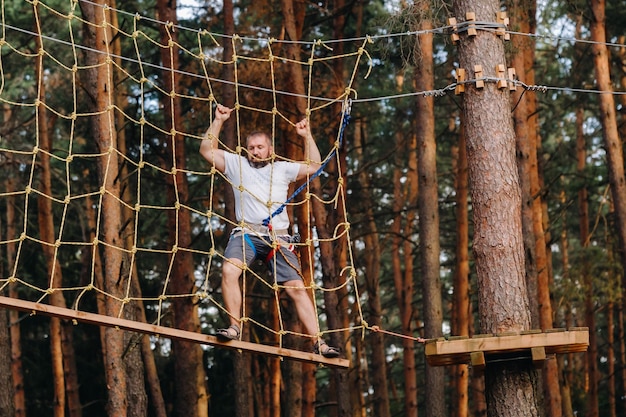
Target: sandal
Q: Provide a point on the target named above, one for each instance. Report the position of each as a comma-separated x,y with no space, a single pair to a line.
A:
226,334
328,352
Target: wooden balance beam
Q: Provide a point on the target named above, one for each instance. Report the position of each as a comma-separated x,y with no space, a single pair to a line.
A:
479,349
169,332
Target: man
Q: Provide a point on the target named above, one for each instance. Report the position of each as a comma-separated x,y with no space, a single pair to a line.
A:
260,186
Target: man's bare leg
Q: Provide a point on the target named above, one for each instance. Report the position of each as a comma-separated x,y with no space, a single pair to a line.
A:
231,293
305,308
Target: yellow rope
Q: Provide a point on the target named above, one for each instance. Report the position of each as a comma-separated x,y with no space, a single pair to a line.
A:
136,71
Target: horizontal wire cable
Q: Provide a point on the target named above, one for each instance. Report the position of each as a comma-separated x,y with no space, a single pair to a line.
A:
447,29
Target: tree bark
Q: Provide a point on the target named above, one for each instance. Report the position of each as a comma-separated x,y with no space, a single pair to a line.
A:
46,231
537,270
496,201
191,391
462,306
293,20
428,215
617,180
405,198
99,84
16,391
378,370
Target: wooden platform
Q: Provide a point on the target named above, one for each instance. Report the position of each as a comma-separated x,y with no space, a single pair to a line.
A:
168,332
480,349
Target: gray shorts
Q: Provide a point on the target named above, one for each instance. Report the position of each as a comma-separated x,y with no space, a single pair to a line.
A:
282,262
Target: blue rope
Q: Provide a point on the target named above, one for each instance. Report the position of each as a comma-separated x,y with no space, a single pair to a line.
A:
344,124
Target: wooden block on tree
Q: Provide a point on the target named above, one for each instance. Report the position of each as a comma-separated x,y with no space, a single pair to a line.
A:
477,360
538,355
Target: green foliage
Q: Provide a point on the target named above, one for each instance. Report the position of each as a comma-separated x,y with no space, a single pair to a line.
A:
385,118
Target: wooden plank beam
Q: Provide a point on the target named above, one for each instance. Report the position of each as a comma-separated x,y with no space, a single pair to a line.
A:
458,351
168,332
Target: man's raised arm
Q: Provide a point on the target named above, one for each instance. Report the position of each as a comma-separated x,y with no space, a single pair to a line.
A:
209,147
312,157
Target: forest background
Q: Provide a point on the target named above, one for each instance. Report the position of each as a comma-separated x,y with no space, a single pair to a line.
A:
406,198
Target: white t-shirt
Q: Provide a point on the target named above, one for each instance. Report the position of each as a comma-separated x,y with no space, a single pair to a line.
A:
252,188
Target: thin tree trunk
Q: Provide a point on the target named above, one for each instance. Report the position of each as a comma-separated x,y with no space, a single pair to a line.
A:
610,314
14,329
46,231
622,351
615,161
496,202
7,404
404,199
462,306
428,215
335,216
566,369
526,155
378,370
612,142
583,210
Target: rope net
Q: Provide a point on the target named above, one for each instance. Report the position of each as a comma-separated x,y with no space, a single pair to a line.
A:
59,182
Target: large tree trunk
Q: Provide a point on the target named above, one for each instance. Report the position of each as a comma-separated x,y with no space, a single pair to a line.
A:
99,84
612,142
428,214
139,358
496,201
191,392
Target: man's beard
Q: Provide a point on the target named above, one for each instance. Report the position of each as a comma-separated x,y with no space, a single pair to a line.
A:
259,163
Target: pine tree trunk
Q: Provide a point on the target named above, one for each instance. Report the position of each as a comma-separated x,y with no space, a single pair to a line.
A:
293,20
615,161
428,216
16,391
496,201
612,142
610,313
461,305
191,391
378,369
99,84
404,199
525,152
537,270
7,405
566,369
46,231
139,359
